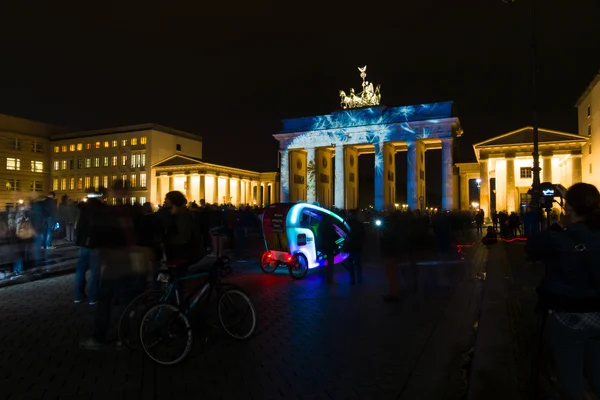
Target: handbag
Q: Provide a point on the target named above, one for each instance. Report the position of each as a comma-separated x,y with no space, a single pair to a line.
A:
25,229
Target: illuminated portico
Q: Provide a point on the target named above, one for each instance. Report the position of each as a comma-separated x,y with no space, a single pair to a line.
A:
216,184
505,162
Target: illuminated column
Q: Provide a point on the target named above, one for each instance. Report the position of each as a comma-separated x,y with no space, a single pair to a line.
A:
238,192
484,186
420,171
215,190
510,183
227,190
248,199
202,186
158,190
447,174
259,194
379,196
284,172
389,174
339,178
464,192
188,187
171,183
547,167
311,172
412,176
576,168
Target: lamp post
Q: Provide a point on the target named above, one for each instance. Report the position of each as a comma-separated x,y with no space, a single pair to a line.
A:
535,185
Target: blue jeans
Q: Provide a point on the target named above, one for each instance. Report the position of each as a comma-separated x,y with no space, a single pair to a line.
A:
575,352
89,259
48,229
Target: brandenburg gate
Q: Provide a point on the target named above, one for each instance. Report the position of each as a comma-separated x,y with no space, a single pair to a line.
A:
319,155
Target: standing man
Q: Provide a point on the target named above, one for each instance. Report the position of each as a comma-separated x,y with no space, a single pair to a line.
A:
49,215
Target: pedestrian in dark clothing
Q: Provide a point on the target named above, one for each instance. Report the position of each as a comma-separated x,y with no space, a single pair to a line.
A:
49,215
327,241
354,248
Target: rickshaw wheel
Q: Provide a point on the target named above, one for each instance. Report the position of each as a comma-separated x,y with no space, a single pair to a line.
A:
299,266
266,265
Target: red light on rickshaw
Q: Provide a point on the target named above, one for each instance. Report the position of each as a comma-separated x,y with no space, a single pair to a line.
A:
289,258
269,255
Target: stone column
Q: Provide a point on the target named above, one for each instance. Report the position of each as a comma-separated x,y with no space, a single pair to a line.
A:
171,183
379,199
238,192
284,174
159,195
547,168
215,199
412,176
510,183
311,179
248,198
227,190
576,168
340,193
259,194
447,174
484,186
420,170
389,174
202,186
188,187
464,192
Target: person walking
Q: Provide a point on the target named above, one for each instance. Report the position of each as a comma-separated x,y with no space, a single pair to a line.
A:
49,215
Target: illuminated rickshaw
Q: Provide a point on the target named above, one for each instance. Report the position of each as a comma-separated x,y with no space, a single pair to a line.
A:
291,233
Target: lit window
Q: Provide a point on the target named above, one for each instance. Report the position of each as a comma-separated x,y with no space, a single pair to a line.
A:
143,160
113,201
96,162
14,144
143,140
105,181
36,186
96,182
124,178
79,163
63,184
133,199
79,146
56,150
88,162
56,166
97,145
526,172
63,164
105,163
79,183
133,161
72,184
124,159
37,147
13,164
143,180
64,148
55,184
138,158
133,181
88,146
113,179
114,161
37,166
87,182
71,147
124,142
13,184
142,200
134,141
106,144
114,143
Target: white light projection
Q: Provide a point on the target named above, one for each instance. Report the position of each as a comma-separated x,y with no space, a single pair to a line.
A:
375,125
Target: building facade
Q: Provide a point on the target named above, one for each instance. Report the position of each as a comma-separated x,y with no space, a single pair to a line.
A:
588,120
25,159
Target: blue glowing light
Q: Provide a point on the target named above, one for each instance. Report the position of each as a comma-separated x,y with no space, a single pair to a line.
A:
377,222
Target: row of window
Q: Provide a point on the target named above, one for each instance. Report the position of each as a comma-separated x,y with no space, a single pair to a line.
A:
88,182
17,144
132,200
15,185
136,161
97,145
14,164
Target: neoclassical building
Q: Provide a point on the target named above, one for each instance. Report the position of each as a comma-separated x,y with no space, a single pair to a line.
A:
504,167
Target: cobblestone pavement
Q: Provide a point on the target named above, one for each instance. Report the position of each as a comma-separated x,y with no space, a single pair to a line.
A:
313,342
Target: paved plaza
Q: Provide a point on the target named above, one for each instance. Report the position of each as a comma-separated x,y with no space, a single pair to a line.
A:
313,342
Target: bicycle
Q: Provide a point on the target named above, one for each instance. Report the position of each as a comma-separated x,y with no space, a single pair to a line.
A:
174,312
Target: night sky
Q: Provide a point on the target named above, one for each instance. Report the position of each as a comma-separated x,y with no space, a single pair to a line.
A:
230,71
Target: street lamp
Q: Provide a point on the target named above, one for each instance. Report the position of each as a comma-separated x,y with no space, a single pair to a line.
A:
535,185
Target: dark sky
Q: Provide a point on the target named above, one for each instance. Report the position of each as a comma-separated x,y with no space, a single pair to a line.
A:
230,70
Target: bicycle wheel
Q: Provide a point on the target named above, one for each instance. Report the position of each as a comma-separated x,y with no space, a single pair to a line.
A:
130,319
166,334
236,313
